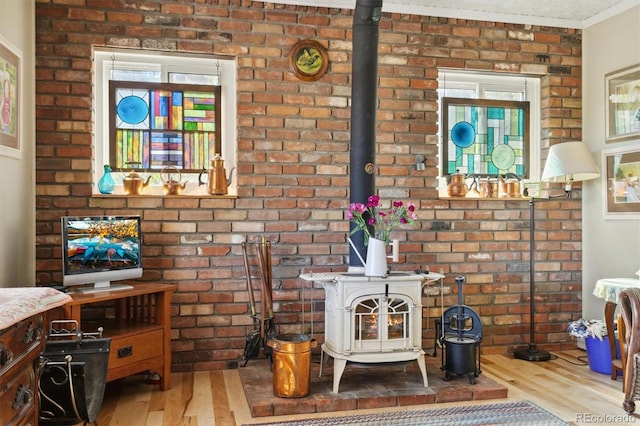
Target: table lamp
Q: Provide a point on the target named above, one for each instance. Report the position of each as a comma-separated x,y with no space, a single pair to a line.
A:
567,162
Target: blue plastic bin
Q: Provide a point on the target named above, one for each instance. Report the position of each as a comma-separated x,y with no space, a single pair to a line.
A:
599,355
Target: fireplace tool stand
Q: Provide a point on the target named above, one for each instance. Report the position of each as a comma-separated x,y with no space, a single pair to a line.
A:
73,375
263,321
461,336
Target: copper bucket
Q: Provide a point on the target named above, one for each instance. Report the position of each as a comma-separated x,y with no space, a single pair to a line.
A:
291,364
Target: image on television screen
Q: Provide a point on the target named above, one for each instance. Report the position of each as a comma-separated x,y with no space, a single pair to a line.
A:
102,245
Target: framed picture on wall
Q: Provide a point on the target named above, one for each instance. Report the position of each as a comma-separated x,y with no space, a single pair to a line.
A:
621,182
623,104
10,99
485,137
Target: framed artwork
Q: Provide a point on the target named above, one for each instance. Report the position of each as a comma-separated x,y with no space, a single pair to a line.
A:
623,104
485,137
621,183
308,60
10,99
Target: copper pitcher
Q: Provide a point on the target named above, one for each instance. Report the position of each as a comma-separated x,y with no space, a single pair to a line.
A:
457,186
488,187
509,186
217,181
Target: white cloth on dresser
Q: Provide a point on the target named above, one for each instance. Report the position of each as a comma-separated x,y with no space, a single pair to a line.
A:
18,303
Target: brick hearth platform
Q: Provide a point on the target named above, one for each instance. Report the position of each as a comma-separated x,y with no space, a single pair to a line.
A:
363,386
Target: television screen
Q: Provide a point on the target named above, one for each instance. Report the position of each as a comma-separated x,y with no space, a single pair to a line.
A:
98,250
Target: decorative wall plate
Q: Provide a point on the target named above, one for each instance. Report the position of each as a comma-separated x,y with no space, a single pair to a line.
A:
308,60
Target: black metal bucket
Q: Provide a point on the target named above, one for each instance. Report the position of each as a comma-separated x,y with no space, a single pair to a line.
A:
461,357
73,376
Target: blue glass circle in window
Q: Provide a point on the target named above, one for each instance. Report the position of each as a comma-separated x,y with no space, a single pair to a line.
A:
463,134
132,109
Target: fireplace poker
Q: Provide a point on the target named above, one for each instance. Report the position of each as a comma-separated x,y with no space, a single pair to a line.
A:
265,275
252,344
268,271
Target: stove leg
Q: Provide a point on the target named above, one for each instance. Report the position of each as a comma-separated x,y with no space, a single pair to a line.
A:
423,370
321,362
338,369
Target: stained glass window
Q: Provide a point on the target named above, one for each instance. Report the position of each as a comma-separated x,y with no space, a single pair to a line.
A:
485,137
154,125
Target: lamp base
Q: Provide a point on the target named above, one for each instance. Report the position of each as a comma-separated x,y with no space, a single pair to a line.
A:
531,353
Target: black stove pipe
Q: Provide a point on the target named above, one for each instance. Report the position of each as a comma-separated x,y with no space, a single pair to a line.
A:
364,85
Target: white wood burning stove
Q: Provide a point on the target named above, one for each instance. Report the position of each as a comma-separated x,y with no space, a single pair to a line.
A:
371,319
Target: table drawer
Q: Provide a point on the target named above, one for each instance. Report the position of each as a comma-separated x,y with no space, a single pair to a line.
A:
30,419
18,340
132,349
17,396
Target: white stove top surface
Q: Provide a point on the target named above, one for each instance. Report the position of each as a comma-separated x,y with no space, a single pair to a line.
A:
348,276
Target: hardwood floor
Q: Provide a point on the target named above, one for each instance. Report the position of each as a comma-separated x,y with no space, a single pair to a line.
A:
564,386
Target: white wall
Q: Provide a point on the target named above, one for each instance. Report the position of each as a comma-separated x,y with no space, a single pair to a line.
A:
611,248
17,202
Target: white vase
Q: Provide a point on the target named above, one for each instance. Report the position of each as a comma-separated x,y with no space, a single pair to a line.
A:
376,264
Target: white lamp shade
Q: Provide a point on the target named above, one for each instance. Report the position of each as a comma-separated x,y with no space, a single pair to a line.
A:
570,161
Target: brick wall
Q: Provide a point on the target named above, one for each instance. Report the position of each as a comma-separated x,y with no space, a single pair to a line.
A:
293,154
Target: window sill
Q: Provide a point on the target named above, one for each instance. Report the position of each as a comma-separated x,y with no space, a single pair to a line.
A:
157,191
440,197
116,195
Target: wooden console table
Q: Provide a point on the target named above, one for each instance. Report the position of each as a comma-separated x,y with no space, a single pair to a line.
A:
140,331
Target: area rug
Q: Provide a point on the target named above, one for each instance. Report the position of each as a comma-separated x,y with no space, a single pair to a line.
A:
502,413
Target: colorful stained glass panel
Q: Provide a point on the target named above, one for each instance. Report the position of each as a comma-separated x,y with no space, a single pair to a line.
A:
485,137
160,124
